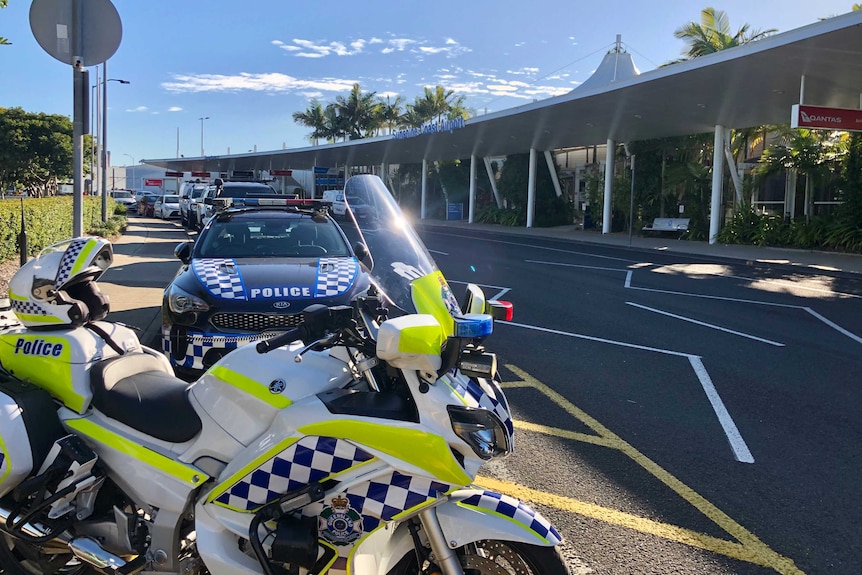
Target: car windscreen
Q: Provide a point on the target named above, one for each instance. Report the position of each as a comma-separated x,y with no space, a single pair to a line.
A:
271,237
170,199
121,194
246,191
197,192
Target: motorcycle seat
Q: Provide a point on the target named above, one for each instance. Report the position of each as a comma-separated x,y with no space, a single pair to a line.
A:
136,389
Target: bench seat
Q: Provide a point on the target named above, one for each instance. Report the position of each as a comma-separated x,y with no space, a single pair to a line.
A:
675,225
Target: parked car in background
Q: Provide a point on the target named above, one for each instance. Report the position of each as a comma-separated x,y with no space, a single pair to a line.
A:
249,275
147,204
125,197
227,189
167,206
189,194
354,201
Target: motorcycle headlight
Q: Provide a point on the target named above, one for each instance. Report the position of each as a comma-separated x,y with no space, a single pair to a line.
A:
180,301
481,429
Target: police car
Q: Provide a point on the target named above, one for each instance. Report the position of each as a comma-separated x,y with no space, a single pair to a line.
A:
253,269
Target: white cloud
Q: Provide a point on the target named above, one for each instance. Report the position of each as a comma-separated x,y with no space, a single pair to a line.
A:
523,71
375,41
138,109
278,42
175,109
272,82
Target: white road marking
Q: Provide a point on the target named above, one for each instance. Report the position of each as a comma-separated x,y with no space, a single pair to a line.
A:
503,290
737,444
834,326
628,283
574,266
436,252
597,339
704,324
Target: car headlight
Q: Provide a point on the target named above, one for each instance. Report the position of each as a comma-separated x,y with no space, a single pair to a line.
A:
180,301
481,429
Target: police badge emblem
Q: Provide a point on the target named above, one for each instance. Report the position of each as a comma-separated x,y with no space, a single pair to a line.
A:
339,523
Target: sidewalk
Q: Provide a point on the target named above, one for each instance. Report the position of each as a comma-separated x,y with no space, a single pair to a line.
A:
144,261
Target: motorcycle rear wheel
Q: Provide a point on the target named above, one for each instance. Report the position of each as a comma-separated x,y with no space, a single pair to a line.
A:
18,557
492,557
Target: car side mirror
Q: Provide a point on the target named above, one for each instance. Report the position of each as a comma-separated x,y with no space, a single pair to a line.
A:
183,251
361,251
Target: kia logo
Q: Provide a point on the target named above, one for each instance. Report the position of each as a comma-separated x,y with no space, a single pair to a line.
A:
281,304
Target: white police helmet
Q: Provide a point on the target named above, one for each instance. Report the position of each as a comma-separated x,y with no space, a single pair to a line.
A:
58,286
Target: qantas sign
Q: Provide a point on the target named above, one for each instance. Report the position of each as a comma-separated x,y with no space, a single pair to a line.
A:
820,118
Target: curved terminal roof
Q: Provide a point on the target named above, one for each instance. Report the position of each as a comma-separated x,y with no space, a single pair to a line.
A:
746,86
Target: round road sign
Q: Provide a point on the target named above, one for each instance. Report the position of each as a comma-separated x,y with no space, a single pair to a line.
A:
91,35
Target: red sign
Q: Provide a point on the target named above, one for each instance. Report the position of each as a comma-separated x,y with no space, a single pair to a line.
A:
281,172
173,174
157,183
200,174
820,118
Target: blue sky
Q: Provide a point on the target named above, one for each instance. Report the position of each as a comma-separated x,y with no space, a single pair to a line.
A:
250,65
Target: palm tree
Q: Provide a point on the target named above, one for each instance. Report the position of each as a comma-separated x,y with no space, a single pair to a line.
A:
713,34
360,111
434,105
392,112
312,117
3,41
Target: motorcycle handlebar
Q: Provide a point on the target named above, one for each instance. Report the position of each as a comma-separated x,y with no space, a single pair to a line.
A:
282,339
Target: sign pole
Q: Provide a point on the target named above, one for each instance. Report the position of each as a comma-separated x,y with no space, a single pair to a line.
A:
80,93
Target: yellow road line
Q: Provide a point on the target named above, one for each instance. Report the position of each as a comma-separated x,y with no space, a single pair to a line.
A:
565,434
765,555
648,526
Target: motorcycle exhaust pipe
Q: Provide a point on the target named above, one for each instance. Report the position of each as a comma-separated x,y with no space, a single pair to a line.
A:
88,549
36,531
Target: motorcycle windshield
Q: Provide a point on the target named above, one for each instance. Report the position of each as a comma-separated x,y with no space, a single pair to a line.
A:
402,267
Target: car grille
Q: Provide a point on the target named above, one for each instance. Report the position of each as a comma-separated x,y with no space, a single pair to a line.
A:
255,321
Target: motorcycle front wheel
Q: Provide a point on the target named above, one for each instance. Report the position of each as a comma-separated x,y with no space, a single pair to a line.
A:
492,557
19,557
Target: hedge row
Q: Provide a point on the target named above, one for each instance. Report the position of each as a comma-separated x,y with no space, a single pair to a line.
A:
49,220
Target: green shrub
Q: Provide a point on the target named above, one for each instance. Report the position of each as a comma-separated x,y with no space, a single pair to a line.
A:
47,221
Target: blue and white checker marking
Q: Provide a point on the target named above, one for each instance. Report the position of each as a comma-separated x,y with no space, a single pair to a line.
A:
200,343
377,501
335,276
308,460
221,277
70,256
388,496
515,510
27,308
475,396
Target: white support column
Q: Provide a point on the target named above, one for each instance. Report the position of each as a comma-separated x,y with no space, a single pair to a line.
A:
531,189
717,173
553,170
424,188
610,156
493,181
473,161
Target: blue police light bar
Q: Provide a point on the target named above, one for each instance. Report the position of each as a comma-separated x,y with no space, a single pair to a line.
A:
474,325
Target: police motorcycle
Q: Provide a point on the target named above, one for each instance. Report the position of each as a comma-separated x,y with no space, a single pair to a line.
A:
346,445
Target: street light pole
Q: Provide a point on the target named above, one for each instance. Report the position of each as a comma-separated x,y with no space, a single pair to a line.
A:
134,163
104,139
202,133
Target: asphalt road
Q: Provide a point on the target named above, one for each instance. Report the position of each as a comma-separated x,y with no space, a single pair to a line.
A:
676,414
